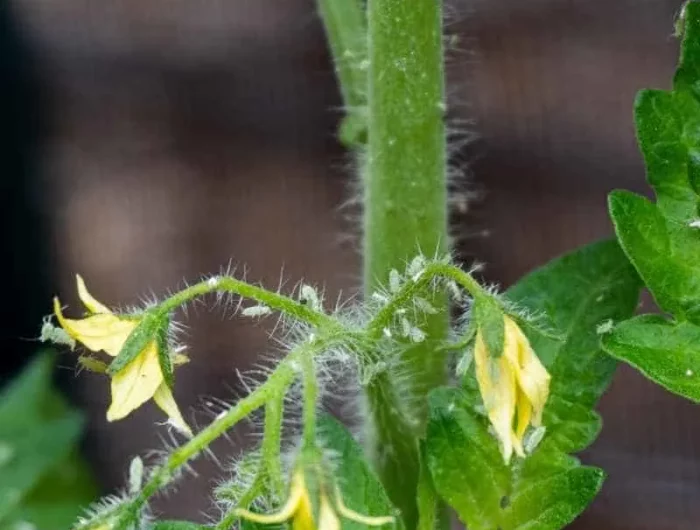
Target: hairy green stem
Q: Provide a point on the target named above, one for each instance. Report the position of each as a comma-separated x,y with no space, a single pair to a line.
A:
275,386
434,271
256,489
310,397
271,446
227,284
280,379
405,197
405,205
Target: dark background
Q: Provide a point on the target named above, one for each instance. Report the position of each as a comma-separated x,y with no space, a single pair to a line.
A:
145,142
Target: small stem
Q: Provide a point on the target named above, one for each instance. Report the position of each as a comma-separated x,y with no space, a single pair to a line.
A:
252,493
276,384
269,476
346,30
310,398
272,445
271,299
281,378
417,286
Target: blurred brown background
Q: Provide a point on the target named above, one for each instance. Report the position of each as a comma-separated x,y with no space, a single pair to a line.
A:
157,140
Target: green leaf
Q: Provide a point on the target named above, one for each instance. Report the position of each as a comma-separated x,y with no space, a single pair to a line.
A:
573,295
57,500
571,427
361,489
688,73
545,491
666,352
29,398
489,318
42,480
570,297
426,498
668,130
150,326
662,240
31,455
667,257
667,125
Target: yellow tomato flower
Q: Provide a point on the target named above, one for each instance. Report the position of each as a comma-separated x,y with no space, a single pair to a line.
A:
138,381
298,507
299,510
514,384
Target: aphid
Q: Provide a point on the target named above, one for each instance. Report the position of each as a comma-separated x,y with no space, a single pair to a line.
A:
256,311
54,334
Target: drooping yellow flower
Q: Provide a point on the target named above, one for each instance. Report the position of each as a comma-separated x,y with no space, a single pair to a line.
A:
141,379
514,387
299,510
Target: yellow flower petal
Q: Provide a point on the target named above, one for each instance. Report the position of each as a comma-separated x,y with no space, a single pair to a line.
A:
358,517
533,378
298,504
497,386
88,301
100,332
515,382
165,400
523,422
135,384
303,517
327,519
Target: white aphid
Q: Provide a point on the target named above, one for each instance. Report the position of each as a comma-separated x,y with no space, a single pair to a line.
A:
423,305
379,297
415,268
464,363
135,474
309,295
605,327
533,438
417,334
394,280
256,311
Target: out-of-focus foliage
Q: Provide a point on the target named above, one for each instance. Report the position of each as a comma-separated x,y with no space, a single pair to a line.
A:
44,484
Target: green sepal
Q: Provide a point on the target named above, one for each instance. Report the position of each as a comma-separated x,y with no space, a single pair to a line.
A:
491,324
164,358
151,323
